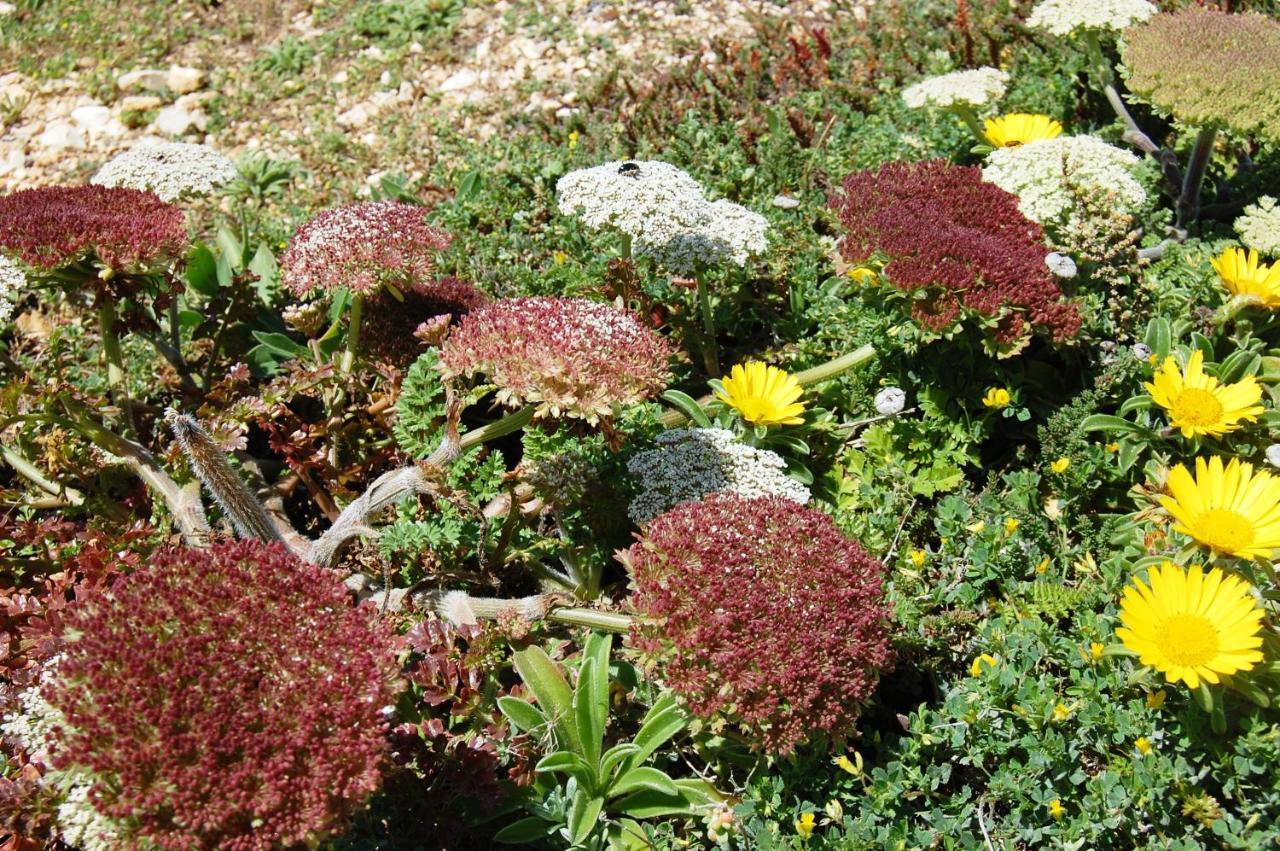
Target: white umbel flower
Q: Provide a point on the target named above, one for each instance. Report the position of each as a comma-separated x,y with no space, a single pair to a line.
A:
12,279
665,213
1060,264
1259,226
1273,455
1069,17
172,170
690,463
1038,173
975,88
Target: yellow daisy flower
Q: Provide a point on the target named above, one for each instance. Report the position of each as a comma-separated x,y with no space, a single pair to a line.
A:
764,395
805,825
1226,508
1191,625
1198,404
1244,276
1018,128
996,398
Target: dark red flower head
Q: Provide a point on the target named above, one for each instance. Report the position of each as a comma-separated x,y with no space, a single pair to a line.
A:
390,322
362,246
763,614
956,244
227,698
126,229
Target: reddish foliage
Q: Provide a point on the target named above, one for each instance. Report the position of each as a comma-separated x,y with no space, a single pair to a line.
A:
362,246
761,610
124,228
227,698
390,323
959,242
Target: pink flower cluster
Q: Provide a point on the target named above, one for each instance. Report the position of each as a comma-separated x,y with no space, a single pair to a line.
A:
362,246
225,698
571,356
762,613
959,242
390,323
126,229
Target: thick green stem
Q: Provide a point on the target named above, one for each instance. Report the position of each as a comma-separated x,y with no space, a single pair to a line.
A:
512,422
710,351
353,331
1189,200
970,118
23,467
116,379
602,621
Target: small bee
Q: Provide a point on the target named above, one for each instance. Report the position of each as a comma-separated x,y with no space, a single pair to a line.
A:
629,169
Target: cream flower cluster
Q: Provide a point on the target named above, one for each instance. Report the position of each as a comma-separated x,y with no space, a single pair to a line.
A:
665,213
972,88
12,279
1259,226
172,170
1067,17
690,463
1043,174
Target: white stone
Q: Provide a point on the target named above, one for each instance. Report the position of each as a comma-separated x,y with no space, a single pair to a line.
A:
339,78
385,79
460,81
61,134
176,121
140,103
144,78
12,162
7,8
785,202
416,47
92,118
181,79
356,117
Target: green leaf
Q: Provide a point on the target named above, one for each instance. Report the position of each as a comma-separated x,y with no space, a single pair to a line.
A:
265,267
1239,364
584,816
692,795
643,778
1109,423
1159,337
614,756
663,720
591,698
687,405
523,832
545,679
202,271
567,762
230,247
280,344
1140,402
470,185
522,714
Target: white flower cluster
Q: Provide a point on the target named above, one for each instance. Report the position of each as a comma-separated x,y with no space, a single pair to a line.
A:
973,88
1259,226
1043,174
32,725
12,279
172,170
1067,17
690,463
665,213
80,823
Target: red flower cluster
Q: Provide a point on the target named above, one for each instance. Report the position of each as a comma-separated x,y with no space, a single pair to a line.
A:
361,247
762,613
571,356
954,243
390,323
225,698
126,229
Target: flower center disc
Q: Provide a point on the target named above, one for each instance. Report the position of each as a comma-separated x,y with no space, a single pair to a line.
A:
1224,530
1197,407
1187,640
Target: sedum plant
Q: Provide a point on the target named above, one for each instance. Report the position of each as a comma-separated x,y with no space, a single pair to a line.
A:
600,792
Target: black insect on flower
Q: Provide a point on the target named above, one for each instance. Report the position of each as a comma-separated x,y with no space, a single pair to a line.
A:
629,169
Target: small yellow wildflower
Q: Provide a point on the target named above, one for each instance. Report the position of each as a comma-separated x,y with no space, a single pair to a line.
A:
560,258
1042,566
1061,712
975,670
1112,447
1143,745
976,528
1155,699
1011,525
917,557
997,398
1060,466
862,274
573,139
848,765
805,825
1056,809
1095,651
